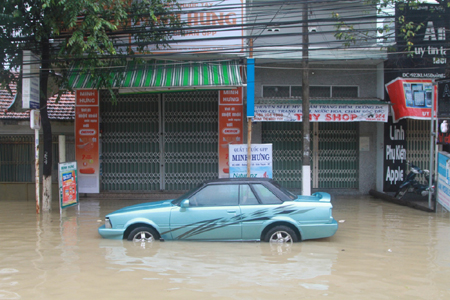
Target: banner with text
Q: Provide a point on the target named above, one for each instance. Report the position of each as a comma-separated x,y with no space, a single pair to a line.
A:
411,98
231,123
394,155
260,164
443,192
321,113
68,184
86,141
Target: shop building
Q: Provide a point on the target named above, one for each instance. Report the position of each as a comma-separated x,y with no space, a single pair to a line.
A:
164,132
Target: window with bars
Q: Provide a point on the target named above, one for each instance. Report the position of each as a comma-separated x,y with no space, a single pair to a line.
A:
270,91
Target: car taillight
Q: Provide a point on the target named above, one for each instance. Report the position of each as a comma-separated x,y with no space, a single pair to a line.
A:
107,223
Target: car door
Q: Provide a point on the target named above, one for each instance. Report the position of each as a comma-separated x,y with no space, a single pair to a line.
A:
213,214
258,204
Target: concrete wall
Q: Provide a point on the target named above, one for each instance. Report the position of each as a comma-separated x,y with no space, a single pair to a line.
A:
368,159
363,76
23,191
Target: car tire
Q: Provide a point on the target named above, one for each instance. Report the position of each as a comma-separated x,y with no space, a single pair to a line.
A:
281,234
143,234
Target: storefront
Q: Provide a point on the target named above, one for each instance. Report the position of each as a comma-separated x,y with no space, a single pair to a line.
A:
163,132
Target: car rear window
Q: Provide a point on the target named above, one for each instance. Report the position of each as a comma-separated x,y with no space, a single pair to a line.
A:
265,195
216,195
246,196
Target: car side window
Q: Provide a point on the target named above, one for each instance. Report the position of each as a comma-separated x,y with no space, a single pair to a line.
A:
265,195
246,196
216,195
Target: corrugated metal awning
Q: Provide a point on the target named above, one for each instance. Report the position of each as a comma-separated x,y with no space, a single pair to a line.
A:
164,75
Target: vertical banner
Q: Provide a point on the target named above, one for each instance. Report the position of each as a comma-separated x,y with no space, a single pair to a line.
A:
260,164
68,184
230,126
30,83
394,155
443,192
86,140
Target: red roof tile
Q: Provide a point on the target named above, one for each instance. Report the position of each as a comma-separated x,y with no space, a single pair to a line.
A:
63,110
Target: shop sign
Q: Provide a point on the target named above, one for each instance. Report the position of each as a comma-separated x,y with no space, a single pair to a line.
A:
443,192
260,164
86,140
428,55
211,26
321,113
231,123
394,155
411,98
68,184
30,80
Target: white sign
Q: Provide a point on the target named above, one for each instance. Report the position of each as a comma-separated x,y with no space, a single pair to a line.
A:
261,160
35,119
211,25
30,80
321,113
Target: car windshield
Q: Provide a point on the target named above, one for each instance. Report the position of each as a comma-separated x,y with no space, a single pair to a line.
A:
291,195
186,195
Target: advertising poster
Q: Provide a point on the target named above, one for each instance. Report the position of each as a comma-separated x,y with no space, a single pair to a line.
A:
261,161
394,155
321,113
212,26
86,140
68,187
424,54
411,98
443,193
231,123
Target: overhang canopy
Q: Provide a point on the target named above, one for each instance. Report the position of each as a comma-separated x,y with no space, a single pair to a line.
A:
155,76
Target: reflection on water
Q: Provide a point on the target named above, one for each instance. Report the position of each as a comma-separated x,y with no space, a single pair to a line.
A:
381,251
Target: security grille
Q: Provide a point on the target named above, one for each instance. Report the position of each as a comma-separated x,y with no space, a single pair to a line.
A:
337,155
16,158
286,138
418,144
190,138
130,154
159,141
334,153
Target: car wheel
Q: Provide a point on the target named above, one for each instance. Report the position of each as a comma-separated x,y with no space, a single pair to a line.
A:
401,193
281,234
143,234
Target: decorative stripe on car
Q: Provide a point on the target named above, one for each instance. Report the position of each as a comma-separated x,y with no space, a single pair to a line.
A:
208,225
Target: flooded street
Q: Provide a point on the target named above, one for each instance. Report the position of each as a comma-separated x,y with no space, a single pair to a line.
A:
380,251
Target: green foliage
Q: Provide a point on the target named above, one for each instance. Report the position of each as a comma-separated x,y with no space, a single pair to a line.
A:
93,34
406,30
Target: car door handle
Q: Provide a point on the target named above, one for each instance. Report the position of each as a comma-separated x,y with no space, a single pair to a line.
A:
231,211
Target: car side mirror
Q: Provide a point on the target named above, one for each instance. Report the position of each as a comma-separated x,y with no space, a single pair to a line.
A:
184,203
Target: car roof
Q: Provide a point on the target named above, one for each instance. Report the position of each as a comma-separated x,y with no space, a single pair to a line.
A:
238,180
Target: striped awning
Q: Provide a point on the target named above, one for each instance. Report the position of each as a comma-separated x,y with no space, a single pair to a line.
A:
163,75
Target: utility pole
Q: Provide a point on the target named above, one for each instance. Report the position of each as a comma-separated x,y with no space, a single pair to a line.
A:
306,161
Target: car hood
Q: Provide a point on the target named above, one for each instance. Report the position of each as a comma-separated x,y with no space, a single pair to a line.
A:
144,206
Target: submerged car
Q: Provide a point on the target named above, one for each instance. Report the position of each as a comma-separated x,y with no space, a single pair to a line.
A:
238,209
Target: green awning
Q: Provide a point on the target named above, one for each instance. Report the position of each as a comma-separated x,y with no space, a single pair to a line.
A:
164,75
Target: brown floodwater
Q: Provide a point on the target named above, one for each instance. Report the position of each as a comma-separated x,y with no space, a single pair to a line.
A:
380,251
